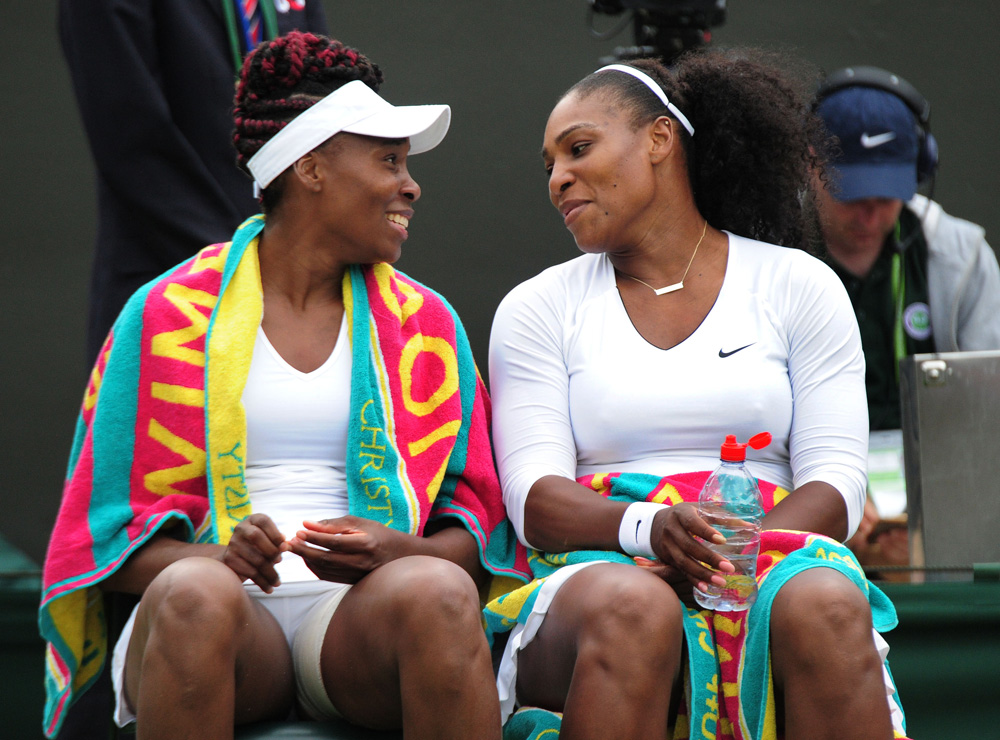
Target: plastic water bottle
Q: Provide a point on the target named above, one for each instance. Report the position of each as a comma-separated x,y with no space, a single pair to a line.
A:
731,502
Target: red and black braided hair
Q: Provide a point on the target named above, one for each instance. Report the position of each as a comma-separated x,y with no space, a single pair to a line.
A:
283,77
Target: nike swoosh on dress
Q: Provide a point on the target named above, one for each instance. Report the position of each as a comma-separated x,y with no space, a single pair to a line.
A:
733,352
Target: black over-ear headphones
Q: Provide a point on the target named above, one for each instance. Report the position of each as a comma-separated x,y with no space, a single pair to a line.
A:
927,157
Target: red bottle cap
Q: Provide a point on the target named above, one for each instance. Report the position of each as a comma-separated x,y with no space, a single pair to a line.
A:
733,451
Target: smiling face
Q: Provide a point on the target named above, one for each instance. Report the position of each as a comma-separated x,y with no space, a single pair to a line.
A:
367,196
600,174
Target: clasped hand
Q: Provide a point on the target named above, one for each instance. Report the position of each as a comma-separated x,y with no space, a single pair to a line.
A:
346,549
343,550
684,561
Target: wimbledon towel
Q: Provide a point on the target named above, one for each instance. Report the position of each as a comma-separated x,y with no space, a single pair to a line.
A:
728,692
161,436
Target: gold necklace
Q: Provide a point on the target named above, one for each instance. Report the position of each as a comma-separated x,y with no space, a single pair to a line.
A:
680,284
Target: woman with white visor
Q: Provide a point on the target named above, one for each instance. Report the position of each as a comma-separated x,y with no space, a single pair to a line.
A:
326,556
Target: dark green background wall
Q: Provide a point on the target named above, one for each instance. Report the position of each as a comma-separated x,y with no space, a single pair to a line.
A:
484,222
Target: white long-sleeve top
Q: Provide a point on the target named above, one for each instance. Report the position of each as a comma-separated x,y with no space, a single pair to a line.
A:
576,390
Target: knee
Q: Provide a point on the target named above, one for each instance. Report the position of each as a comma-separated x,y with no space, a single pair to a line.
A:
820,610
435,591
630,608
433,607
198,598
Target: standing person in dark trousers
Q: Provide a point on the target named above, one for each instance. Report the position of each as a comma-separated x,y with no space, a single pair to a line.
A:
920,280
154,83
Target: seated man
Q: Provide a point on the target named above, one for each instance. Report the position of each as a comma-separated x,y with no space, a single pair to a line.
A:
920,280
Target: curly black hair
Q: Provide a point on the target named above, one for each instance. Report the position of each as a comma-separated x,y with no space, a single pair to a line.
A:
283,77
758,146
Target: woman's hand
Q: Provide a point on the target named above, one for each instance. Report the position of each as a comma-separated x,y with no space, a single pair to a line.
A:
346,549
254,549
673,539
674,578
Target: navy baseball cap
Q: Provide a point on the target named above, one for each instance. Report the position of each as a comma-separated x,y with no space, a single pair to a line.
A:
878,144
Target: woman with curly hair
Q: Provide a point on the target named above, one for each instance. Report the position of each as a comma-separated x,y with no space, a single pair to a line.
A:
284,450
694,313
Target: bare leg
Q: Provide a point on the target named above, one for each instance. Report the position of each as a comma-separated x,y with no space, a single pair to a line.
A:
406,648
204,656
606,655
826,667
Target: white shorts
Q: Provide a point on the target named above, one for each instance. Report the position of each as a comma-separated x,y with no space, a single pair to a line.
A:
303,611
523,634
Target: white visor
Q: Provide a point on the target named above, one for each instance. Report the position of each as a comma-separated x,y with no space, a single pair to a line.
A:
354,108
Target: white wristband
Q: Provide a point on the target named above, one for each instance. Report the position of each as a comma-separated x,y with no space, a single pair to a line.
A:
634,534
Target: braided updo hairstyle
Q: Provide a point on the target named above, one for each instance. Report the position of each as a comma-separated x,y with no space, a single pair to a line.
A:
283,77
757,143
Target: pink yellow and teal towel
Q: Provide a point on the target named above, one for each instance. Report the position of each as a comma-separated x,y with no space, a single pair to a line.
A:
161,436
728,692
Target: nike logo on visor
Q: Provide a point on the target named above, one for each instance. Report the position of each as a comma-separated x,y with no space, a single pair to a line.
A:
727,354
870,142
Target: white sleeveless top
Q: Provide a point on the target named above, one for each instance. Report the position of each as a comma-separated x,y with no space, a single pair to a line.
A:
297,441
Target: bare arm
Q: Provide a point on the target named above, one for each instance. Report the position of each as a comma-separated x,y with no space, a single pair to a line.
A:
147,562
253,550
814,507
561,515
451,541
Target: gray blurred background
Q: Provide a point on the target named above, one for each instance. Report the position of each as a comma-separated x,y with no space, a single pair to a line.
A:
484,222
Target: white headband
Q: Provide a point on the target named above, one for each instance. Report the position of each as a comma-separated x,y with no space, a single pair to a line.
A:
354,108
655,87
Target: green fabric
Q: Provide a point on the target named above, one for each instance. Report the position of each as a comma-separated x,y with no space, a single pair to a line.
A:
874,306
960,602
532,723
233,34
945,657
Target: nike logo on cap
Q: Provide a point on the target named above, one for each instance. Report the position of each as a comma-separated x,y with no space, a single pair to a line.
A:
870,142
733,352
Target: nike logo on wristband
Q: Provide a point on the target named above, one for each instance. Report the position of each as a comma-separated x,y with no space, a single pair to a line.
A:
870,142
728,354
